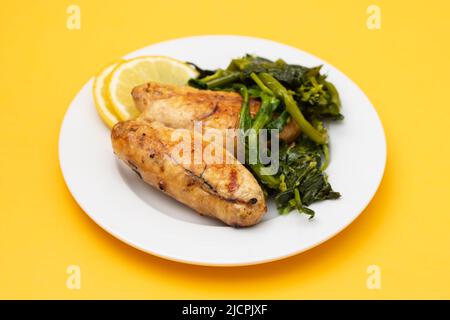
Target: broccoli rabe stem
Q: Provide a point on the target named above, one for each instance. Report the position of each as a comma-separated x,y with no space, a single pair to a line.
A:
269,180
260,84
291,106
219,73
245,119
265,113
326,156
222,80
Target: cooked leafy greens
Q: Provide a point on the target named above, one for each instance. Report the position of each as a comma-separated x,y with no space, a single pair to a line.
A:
302,178
287,92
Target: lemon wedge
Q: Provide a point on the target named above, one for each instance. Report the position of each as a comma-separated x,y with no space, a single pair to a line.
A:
137,71
102,103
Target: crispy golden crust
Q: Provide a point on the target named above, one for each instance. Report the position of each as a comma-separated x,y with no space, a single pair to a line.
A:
228,192
180,107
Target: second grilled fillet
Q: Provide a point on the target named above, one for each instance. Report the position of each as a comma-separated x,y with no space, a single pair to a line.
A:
179,107
227,192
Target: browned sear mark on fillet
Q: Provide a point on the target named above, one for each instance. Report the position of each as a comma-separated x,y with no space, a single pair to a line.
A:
209,114
233,184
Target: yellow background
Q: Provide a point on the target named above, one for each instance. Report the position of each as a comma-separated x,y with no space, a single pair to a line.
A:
403,68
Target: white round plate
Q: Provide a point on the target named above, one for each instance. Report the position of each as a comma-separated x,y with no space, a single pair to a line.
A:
149,220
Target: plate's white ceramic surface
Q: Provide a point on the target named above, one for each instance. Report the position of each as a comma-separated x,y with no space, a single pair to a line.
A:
151,221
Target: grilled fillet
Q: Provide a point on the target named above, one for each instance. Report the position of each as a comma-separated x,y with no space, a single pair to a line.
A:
228,192
179,107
